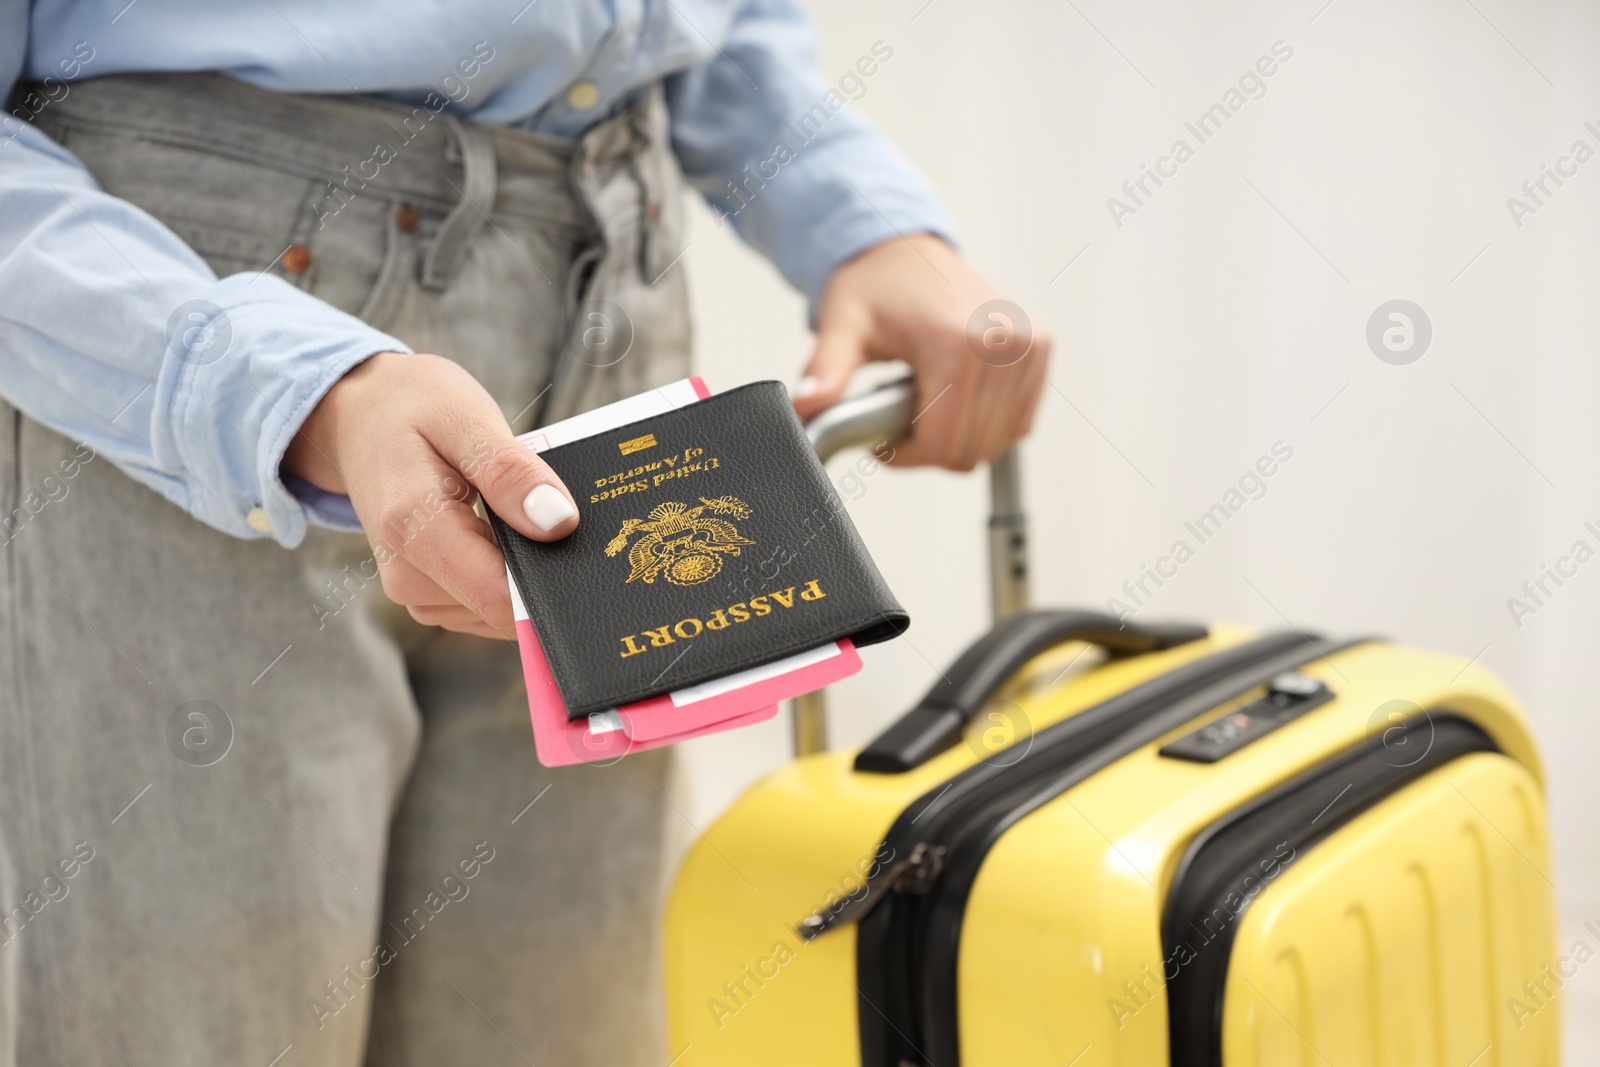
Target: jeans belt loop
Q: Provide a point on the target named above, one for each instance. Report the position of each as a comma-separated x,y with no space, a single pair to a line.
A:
462,225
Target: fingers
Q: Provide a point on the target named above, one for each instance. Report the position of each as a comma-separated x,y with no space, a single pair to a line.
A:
407,586
1008,395
414,435
947,427
516,484
985,432
970,408
454,556
431,604
432,548
454,617
841,348
1025,399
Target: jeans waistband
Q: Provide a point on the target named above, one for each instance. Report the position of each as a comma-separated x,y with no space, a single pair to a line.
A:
360,144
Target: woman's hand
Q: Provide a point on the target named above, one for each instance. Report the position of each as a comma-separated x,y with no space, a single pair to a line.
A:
409,438
979,364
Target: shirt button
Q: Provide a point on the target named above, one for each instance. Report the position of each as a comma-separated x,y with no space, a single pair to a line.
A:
583,95
256,519
297,260
406,218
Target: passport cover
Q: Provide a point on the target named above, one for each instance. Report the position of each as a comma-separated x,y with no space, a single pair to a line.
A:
710,541
734,700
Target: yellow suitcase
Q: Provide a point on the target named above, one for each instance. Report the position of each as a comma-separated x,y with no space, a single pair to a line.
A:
1097,842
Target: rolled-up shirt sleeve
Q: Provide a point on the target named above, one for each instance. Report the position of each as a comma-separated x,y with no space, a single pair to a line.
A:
116,334
781,155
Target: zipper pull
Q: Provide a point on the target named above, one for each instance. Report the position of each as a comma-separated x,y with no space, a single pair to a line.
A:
913,873
927,863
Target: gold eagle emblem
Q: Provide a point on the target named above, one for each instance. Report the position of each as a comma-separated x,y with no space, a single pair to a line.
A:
681,542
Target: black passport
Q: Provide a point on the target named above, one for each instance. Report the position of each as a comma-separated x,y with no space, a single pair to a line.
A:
709,540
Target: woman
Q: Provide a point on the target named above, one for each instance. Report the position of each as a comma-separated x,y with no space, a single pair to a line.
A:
313,824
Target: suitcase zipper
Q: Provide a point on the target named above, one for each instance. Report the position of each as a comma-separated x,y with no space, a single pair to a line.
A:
912,872
914,847
910,915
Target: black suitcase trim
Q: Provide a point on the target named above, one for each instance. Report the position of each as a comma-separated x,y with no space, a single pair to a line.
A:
907,943
1246,844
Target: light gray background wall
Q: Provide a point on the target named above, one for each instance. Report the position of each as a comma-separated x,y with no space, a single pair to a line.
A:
1229,313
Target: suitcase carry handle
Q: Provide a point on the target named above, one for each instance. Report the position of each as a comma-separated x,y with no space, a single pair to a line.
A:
884,415
940,718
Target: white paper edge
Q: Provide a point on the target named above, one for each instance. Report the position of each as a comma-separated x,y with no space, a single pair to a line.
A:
605,722
657,401
750,676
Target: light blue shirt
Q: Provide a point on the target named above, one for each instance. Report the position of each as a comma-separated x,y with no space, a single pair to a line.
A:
83,325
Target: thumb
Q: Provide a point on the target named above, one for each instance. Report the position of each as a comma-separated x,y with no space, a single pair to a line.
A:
516,484
840,350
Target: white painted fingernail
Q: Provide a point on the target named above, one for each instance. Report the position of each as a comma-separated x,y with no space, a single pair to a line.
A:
810,385
548,507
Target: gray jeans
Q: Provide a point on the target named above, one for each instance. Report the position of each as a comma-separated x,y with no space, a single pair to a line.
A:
248,809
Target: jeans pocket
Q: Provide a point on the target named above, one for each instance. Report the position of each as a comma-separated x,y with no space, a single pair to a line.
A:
238,216
363,260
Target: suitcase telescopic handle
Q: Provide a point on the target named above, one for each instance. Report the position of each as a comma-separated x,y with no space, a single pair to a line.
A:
885,414
938,721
